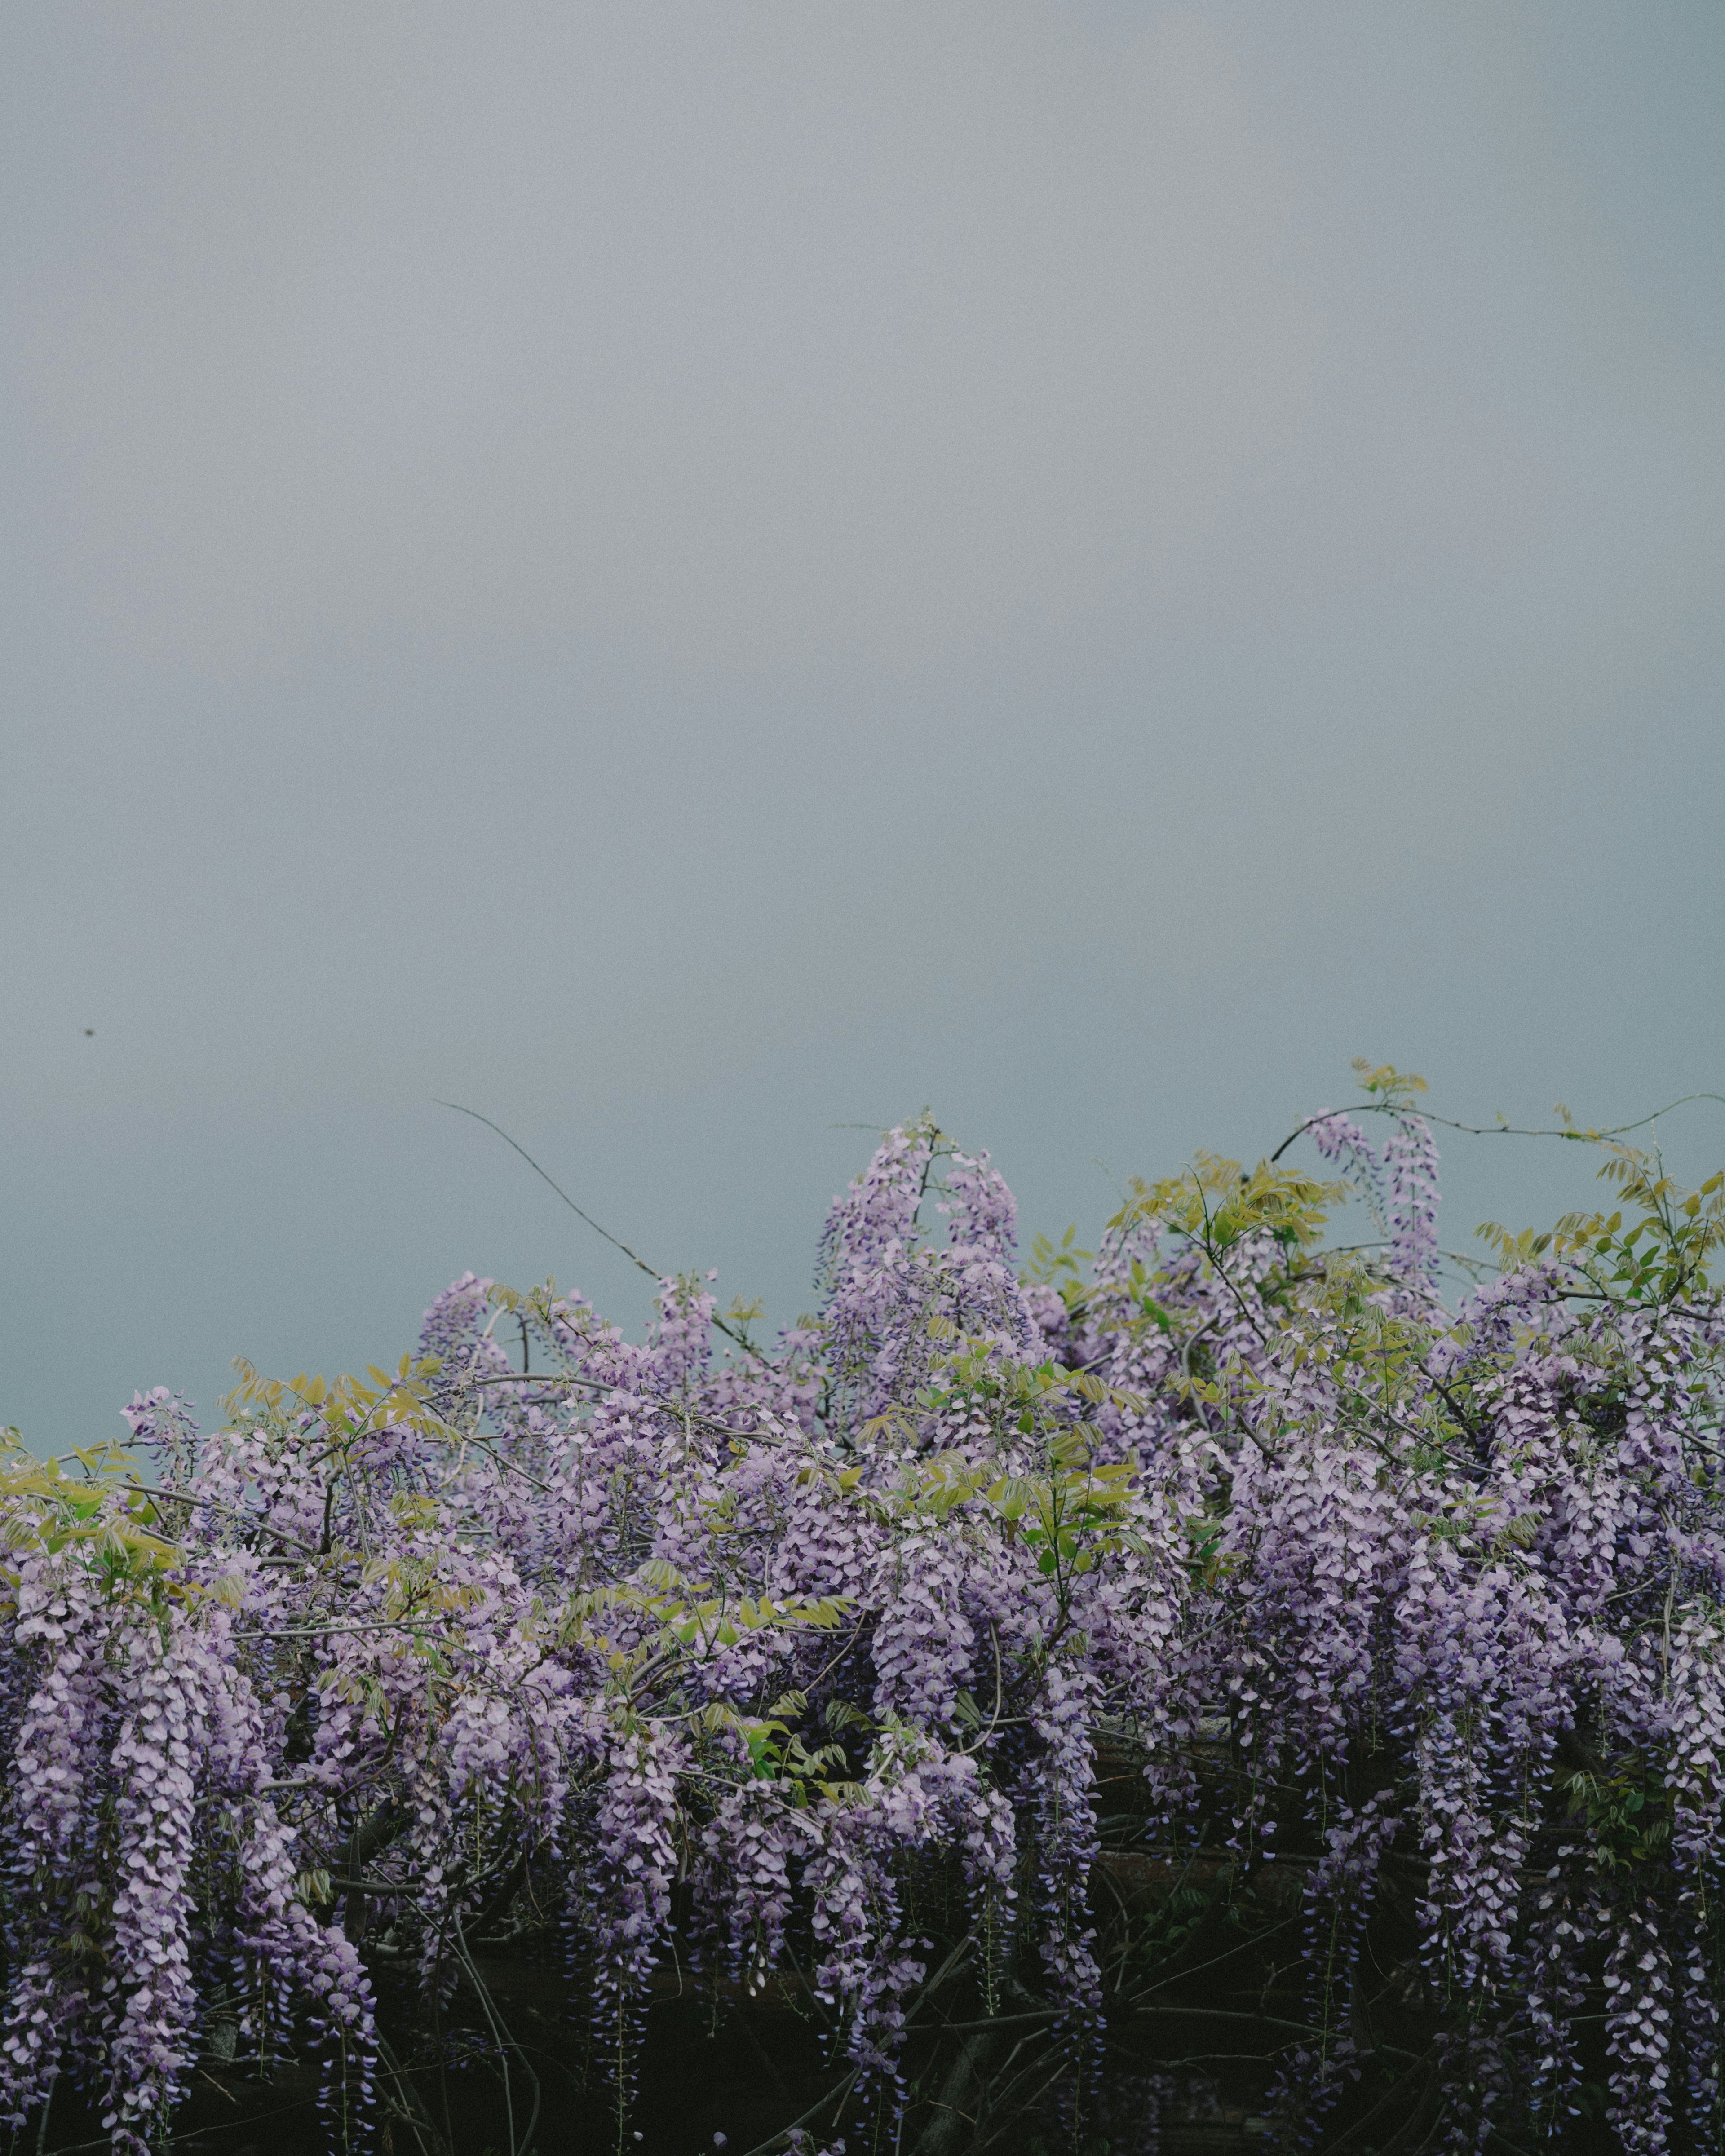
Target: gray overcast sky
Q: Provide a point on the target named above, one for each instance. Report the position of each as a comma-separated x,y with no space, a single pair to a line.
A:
684,575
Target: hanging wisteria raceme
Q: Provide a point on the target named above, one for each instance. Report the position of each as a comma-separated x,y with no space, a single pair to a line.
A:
704,1654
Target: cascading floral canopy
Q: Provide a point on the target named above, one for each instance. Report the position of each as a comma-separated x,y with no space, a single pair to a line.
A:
702,1644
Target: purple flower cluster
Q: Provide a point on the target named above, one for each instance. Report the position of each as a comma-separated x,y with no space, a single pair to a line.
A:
749,1640
140,1762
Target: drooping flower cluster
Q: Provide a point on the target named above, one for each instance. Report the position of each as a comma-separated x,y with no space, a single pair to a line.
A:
766,1645
141,1760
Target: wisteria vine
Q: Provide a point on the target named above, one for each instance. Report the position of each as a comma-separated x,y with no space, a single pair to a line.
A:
794,1664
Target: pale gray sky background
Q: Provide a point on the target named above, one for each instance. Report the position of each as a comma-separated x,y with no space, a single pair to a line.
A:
684,575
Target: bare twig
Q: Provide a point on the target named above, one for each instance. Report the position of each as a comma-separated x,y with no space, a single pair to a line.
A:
616,1242
1494,1130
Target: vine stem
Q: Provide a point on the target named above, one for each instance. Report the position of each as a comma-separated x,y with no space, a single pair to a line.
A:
1496,1130
615,1241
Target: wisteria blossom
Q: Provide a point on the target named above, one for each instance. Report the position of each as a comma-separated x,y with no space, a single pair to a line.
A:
807,1670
